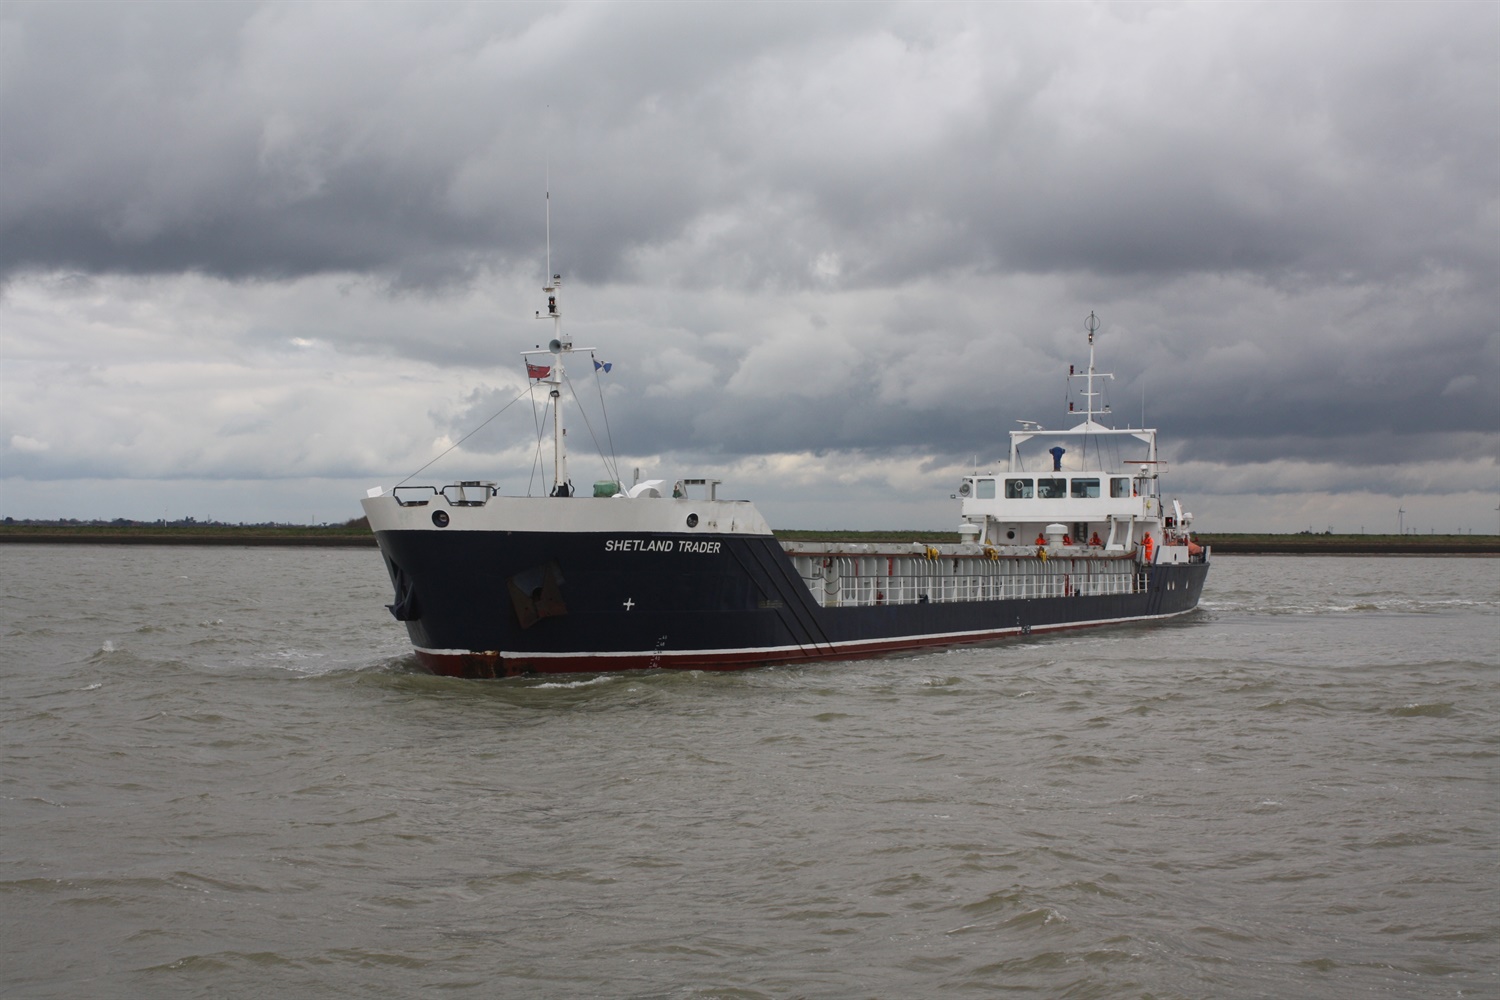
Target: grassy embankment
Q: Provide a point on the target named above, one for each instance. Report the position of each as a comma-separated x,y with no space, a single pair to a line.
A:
353,533
1310,544
1224,544
356,533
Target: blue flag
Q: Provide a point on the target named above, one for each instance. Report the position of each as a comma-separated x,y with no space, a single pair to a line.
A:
602,364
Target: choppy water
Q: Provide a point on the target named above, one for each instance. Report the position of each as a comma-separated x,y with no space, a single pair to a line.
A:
223,777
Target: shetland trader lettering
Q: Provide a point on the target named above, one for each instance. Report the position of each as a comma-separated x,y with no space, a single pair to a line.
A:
659,545
495,586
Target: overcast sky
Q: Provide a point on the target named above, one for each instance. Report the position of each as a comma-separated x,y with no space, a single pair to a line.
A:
256,258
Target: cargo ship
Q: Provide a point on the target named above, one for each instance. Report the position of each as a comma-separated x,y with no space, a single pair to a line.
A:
659,575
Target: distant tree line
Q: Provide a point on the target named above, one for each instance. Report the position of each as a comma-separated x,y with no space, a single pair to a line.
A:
181,522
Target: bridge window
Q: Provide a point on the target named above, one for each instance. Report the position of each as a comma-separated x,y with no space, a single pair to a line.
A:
1119,487
1051,489
1084,489
984,489
1018,489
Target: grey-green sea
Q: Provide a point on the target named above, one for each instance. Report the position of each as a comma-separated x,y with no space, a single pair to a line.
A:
224,775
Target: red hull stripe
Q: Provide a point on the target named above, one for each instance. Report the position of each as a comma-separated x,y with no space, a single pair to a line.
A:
497,663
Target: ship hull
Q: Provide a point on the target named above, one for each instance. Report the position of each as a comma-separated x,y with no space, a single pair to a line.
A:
506,603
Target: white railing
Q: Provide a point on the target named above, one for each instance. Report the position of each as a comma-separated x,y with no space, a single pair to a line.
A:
865,581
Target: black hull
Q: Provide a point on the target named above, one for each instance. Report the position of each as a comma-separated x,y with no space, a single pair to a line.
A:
494,603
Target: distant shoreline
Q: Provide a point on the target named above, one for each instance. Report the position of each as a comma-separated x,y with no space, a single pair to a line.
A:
168,536
345,536
1340,549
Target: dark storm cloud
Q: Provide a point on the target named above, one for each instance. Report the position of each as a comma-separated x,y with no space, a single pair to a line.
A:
159,139
273,141
1355,390
279,140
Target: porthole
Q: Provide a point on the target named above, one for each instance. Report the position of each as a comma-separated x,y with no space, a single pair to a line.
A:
440,518
692,521
1011,533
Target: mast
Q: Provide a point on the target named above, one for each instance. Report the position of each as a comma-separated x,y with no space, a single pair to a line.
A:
1090,394
560,485
559,448
1093,411
557,347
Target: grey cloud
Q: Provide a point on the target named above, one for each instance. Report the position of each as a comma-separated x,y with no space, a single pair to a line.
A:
272,141
1286,215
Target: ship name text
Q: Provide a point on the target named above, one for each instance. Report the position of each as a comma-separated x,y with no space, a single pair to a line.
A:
660,545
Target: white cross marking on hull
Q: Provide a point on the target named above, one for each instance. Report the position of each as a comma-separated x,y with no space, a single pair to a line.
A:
629,604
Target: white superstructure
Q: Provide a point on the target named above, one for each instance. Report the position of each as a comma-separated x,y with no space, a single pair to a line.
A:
1089,486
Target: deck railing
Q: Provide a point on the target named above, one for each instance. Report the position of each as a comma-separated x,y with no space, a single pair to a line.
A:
865,581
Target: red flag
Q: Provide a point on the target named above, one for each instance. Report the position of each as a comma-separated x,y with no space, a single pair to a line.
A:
538,371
